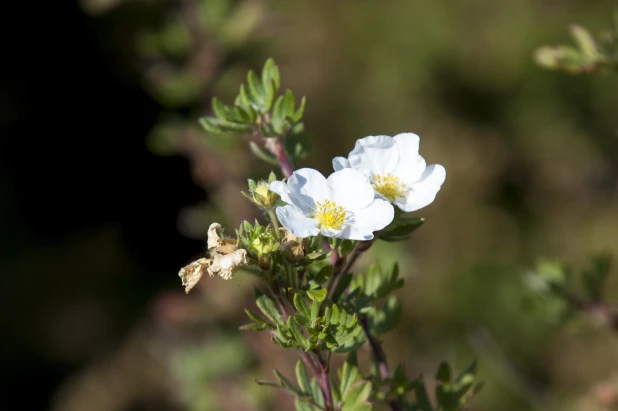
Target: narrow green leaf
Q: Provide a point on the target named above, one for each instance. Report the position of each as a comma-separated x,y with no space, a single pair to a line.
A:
263,155
253,327
219,109
400,229
255,317
334,318
289,103
302,377
349,373
584,40
318,398
278,116
211,125
234,127
358,393
327,314
301,305
270,72
296,331
287,383
268,308
315,309
298,115
257,92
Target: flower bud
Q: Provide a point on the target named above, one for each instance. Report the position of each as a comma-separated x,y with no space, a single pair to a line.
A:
259,193
264,243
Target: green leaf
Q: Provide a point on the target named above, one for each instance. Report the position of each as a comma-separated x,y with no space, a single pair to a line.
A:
286,383
268,307
270,73
302,377
298,115
289,103
334,318
301,405
385,319
277,118
318,398
585,41
257,92
315,309
219,109
296,331
302,320
349,373
357,395
255,317
253,327
211,125
319,294
301,305
400,229
263,155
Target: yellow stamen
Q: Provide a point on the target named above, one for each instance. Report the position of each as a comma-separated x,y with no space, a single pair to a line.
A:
329,214
389,186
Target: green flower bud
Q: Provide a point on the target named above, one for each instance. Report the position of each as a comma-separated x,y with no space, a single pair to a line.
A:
259,193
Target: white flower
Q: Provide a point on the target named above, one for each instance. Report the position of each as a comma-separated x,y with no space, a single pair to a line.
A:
342,206
397,171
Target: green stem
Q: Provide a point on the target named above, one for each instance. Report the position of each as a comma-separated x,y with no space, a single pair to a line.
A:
273,219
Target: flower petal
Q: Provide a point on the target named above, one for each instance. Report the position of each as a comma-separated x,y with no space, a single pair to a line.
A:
350,188
375,216
374,160
373,142
351,233
282,189
411,164
297,223
307,186
424,192
407,143
339,163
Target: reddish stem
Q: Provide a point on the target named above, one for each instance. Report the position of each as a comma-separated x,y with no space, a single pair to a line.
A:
284,161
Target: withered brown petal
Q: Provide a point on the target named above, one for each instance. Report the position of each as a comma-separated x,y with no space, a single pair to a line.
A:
192,273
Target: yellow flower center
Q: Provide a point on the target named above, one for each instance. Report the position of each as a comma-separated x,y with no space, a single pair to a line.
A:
389,186
329,214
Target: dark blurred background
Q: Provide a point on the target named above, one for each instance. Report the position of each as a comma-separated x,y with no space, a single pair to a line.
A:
108,185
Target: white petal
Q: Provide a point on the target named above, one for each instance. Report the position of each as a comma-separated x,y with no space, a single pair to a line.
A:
374,142
374,217
297,223
339,163
350,188
376,160
282,189
433,176
407,143
307,186
351,233
411,164
424,192
410,168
